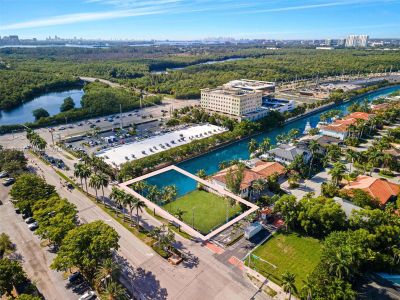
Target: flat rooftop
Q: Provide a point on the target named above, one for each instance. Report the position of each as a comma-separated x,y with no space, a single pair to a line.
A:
250,84
157,143
232,91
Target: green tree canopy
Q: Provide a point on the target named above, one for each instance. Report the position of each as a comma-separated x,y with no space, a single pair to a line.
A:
11,275
40,113
30,188
67,104
85,247
56,217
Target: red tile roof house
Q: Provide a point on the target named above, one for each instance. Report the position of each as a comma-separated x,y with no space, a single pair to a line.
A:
261,170
380,189
339,128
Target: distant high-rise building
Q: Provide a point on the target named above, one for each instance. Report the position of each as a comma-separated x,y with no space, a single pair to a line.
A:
328,42
357,41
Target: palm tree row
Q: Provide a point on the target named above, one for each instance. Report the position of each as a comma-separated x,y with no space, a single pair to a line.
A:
36,141
124,199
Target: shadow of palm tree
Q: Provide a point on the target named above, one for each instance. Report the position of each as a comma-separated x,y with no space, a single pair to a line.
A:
143,283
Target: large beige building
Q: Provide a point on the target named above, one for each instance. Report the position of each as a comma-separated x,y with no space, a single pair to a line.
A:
235,101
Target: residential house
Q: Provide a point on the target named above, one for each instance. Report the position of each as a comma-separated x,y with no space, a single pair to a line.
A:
347,206
380,189
286,153
260,170
340,128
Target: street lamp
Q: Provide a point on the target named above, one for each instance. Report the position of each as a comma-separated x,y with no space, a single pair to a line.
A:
193,217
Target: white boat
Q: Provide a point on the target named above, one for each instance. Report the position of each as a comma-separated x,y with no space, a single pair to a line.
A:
307,129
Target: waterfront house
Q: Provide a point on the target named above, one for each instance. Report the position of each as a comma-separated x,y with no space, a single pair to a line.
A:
380,189
340,128
286,153
260,170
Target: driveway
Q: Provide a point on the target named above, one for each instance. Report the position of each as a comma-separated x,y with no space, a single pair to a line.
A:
312,185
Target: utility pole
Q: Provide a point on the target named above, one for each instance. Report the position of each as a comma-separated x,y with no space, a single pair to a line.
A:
120,115
193,217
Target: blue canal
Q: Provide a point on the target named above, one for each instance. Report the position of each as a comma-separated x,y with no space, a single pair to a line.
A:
50,102
238,150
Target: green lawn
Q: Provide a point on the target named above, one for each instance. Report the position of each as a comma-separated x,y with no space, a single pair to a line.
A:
288,252
209,210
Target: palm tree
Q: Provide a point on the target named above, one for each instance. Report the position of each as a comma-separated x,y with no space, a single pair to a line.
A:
307,288
114,291
337,172
85,174
252,146
95,182
265,145
109,270
351,156
313,146
130,200
153,194
169,193
139,205
258,185
288,280
116,195
339,266
139,187
201,174
78,171
179,215
104,180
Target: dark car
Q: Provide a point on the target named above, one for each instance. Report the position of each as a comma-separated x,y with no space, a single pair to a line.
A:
74,276
8,181
26,214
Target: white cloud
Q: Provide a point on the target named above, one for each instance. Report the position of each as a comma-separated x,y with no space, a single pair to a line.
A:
82,17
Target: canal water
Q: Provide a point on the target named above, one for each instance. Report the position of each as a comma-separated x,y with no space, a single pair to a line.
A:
50,102
238,150
210,62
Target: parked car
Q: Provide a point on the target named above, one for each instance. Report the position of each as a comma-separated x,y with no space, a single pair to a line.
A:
29,220
92,126
3,174
74,276
61,128
8,181
98,121
33,226
88,295
26,214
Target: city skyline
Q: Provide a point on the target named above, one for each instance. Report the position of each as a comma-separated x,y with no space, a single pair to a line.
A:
194,19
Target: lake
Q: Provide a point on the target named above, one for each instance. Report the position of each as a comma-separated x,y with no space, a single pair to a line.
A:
50,102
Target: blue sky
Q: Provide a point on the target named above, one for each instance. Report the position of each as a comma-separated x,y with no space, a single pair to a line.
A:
192,19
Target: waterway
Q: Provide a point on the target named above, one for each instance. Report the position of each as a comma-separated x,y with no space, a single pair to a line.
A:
238,150
210,62
50,102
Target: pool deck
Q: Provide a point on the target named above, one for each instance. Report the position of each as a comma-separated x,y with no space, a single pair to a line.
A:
163,213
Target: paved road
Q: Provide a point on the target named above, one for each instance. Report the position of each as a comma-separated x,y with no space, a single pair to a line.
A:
35,259
203,277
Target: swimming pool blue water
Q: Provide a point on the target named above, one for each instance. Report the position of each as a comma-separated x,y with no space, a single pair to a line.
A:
209,161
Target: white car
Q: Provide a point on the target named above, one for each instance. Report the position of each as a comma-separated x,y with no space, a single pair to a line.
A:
33,226
88,295
29,220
